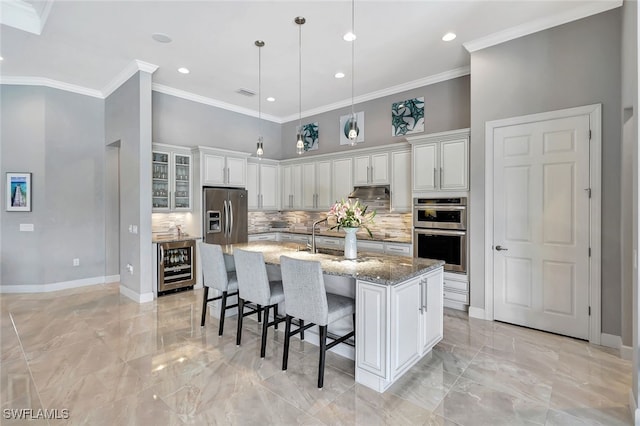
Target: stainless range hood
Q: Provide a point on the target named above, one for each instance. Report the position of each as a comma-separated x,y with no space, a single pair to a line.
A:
376,197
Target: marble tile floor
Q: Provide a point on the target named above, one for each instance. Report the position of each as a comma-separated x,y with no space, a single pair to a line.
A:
110,361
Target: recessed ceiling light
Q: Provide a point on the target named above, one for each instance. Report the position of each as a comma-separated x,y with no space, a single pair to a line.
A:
448,37
1,58
183,70
161,37
339,75
349,36
271,99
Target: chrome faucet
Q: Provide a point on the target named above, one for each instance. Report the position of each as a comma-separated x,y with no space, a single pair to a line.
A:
313,234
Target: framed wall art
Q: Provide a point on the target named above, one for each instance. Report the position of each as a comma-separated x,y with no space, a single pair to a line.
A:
310,135
344,128
407,117
18,192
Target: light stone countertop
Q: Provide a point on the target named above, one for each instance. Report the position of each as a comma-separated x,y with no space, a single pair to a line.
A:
361,235
371,267
172,238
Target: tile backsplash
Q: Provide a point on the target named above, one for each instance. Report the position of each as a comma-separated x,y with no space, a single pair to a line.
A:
388,225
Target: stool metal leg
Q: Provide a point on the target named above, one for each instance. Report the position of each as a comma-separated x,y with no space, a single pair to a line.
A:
323,351
204,305
275,316
301,330
265,330
259,313
222,312
287,336
240,315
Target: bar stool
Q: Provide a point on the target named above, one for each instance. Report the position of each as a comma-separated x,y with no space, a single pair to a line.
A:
306,299
254,286
216,276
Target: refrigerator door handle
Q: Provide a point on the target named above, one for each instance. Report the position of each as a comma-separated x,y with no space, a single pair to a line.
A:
231,217
226,218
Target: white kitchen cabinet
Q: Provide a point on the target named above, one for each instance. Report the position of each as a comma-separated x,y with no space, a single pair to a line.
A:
263,237
401,181
342,179
330,242
224,169
441,161
292,186
262,185
296,238
372,246
401,325
171,179
316,185
456,291
398,249
371,169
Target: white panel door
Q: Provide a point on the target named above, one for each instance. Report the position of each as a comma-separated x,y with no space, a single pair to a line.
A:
453,164
342,179
323,185
425,167
541,225
236,171
433,309
296,186
406,318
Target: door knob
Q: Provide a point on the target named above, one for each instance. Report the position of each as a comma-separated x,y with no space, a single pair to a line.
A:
500,248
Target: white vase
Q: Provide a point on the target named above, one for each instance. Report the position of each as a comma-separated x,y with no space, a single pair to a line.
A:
350,243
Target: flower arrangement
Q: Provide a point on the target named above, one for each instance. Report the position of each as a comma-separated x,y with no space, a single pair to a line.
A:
351,214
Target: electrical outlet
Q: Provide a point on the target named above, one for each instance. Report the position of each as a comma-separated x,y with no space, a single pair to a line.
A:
76,262
130,268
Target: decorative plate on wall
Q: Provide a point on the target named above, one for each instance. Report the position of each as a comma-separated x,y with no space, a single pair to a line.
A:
407,117
310,134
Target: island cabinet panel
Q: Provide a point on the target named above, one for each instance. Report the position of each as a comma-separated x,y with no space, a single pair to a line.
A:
406,341
433,310
371,331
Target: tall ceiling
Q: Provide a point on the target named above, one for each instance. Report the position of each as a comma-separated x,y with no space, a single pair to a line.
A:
398,46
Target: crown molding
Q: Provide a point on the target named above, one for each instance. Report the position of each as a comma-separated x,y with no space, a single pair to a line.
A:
24,16
389,91
54,84
540,25
160,88
124,75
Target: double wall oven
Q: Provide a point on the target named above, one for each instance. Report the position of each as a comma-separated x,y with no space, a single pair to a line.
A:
440,231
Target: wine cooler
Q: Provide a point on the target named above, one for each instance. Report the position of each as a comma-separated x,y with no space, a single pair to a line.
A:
176,266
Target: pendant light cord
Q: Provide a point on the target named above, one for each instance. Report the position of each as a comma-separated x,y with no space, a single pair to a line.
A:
300,78
260,90
353,42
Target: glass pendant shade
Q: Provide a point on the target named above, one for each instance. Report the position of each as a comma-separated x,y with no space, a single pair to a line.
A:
300,144
353,129
259,148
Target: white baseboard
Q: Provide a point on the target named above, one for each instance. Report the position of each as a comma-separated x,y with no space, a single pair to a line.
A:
633,407
610,340
626,352
112,279
477,312
140,298
46,288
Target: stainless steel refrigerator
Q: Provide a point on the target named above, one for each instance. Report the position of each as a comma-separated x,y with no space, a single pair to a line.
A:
225,215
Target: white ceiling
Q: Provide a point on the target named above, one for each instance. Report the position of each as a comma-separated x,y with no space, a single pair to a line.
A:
399,46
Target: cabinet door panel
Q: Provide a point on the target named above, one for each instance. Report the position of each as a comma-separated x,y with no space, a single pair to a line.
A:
405,326
401,181
380,168
308,185
453,164
323,185
269,186
214,170
236,171
433,310
361,170
296,185
253,189
425,167
342,179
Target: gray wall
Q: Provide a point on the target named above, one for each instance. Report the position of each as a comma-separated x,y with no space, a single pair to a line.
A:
446,107
128,120
181,122
58,136
570,65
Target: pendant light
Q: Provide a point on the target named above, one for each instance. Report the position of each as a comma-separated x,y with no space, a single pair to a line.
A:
259,145
353,121
300,143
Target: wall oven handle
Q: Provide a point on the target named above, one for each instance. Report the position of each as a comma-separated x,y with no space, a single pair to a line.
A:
426,231
438,207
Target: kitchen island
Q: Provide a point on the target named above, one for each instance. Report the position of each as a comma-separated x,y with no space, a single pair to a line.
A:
399,306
